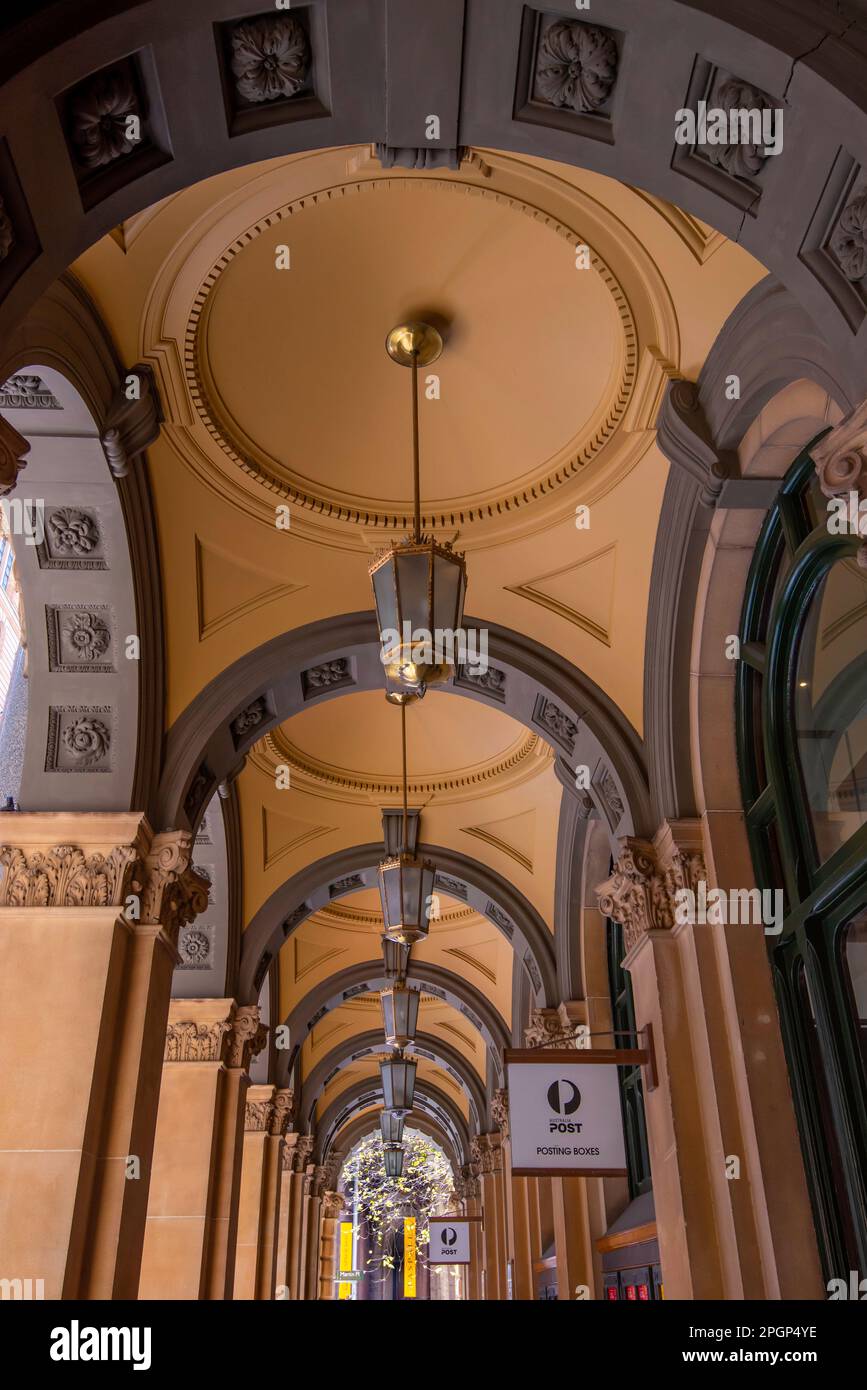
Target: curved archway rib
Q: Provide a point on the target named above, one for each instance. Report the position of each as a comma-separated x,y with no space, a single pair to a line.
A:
539,688
369,1092
363,1044
352,1131
370,975
314,887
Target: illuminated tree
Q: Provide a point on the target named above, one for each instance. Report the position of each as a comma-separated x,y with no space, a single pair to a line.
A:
426,1187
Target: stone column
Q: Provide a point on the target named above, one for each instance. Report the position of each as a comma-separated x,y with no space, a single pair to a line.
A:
297,1216
266,1114
246,1041
573,1247
193,1203
329,1243
272,1179
311,1244
468,1192
486,1151
92,905
675,984
284,1219
516,1196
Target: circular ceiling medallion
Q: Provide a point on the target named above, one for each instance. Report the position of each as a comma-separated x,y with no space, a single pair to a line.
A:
539,366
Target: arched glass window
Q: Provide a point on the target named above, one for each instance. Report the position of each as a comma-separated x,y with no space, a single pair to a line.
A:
802,749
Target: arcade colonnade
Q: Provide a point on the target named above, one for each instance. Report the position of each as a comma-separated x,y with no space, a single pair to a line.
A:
158,1138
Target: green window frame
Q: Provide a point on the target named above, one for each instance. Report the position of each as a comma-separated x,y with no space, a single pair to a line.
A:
631,1087
823,1041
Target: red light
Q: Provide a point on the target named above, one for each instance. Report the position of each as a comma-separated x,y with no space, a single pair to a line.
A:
643,1292
611,1292
630,1292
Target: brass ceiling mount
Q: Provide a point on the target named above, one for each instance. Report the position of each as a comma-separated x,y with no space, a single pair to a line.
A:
417,340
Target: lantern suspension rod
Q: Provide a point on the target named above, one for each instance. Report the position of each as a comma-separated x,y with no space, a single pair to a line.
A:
416,473
403,744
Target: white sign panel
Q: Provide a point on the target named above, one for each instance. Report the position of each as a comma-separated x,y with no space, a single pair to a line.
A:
564,1115
449,1242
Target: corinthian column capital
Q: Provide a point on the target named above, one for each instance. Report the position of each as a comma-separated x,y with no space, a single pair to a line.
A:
303,1149
332,1204
259,1110
841,461
247,1038
500,1111
282,1114
641,892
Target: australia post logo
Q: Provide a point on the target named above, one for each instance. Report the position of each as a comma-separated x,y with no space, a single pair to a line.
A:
449,1240
564,1099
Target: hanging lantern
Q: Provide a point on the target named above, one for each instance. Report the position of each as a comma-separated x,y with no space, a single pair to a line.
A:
406,888
419,588
395,956
391,1126
418,585
399,1013
398,1082
405,881
393,1154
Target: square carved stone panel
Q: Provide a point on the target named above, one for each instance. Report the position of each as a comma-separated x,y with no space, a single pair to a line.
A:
73,540
19,244
567,74
732,170
272,68
80,638
114,125
835,246
79,738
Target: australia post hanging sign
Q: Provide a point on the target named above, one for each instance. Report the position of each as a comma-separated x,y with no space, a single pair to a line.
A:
564,1111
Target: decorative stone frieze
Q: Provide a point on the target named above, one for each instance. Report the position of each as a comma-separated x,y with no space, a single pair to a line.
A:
841,462
188,1041
13,447
248,1037
258,1115
65,877
641,892
24,391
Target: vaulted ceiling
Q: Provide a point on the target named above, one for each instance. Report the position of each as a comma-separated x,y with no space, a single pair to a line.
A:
278,393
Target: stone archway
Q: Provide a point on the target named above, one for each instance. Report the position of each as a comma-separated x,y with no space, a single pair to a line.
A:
351,871
365,1044
368,1092
435,979
60,196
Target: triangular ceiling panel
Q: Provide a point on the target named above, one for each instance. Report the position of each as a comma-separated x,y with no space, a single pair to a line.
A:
582,593
228,589
281,834
514,836
309,955
481,957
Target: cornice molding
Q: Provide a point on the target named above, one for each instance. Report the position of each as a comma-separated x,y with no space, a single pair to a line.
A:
526,758
254,463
